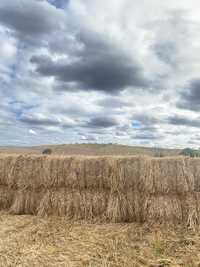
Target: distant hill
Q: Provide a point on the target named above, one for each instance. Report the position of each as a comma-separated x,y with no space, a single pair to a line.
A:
92,149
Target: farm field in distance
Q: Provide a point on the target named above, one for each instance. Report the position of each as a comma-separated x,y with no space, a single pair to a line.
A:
91,150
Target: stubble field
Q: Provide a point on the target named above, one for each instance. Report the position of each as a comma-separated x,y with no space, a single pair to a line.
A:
33,241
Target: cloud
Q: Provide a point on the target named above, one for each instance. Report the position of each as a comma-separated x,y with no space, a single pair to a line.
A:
190,97
113,103
58,3
166,52
145,120
48,122
184,121
89,138
39,120
99,66
96,69
146,127
102,122
30,19
169,34
32,132
147,136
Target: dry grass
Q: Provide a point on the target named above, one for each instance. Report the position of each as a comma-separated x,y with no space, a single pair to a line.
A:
33,241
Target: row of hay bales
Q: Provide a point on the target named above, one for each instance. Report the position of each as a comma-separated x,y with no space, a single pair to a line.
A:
113,189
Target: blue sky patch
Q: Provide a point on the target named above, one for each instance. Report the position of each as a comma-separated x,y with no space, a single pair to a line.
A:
59,3
136,124
19,108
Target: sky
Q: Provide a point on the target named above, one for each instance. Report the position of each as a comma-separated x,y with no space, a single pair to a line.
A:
97,71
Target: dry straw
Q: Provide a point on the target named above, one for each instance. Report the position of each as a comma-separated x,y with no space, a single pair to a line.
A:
117,189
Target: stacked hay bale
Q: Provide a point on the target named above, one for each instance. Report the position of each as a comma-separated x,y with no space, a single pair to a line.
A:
117,189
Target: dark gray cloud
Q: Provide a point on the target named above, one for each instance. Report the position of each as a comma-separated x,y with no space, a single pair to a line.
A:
98,122
102,122
99,66
30,19
183,121
190,97
39,121
42,122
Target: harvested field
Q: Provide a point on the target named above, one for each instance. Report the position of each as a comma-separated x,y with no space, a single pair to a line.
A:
102,189
30,241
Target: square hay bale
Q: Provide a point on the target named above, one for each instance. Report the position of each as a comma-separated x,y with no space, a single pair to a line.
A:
73,204
25,202
6,197
166,175
162,209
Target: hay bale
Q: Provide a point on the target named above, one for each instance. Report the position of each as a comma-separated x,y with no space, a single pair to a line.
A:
3,174
18,171
6,197
89,173
25,202
117,210
193,166
141,173
73,204
117,189
38,172
33,172
124,207
162,209
150,175
7,164
191,209
75,173
93,204
27,172
125,174
166,175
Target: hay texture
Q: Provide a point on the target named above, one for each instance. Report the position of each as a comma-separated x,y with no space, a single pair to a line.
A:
112,189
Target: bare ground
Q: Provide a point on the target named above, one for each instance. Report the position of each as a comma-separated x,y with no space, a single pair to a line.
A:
34,241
